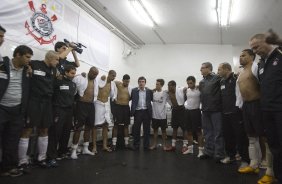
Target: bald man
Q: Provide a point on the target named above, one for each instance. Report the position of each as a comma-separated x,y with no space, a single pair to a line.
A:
85,110
39,108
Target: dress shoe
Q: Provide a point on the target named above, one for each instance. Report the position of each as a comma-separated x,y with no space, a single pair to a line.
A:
134,148
204,157
170,148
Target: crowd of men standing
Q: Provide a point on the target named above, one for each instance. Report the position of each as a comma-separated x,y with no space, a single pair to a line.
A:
229,113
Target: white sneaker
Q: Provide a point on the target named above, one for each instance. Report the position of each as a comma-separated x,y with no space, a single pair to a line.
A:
238,157
201,153
73,154
87,152
227,160
189,150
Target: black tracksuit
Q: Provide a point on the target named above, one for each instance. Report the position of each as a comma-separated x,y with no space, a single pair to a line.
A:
233,128
59,132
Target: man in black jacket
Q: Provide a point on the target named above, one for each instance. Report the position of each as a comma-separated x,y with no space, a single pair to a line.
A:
141,109
233,128
211,113
39,107
59,131
270,76
14,89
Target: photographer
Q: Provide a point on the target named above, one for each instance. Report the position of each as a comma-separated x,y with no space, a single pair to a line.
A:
63,50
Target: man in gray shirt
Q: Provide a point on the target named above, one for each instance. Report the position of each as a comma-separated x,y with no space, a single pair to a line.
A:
14,89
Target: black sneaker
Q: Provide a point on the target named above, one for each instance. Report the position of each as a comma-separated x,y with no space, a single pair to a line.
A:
42,163
62,156
204,157
25,168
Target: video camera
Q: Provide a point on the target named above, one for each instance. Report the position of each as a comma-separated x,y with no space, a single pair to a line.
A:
78,46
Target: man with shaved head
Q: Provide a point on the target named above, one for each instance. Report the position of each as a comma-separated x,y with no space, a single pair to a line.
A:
39,108
85,110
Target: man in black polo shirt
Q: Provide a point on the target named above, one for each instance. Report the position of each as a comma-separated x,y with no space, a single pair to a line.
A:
63,99
63,50
40,107
14,89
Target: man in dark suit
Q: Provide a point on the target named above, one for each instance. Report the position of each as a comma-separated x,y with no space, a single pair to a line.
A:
141,109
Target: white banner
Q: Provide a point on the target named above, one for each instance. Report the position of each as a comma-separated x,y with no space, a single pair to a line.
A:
41,23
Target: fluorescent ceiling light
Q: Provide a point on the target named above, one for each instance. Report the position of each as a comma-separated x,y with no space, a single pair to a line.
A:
224,10
142,12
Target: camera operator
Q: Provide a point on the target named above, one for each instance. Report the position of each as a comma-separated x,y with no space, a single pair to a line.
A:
64,49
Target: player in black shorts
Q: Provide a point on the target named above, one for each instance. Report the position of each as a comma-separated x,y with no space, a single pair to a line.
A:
39,110
122,109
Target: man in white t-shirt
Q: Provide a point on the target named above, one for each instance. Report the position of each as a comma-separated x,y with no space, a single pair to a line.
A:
159,113
193,116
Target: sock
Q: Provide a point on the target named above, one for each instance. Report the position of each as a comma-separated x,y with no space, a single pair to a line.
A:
22,153
85,145
173,141
114,141
269,161
254,151
42,147
74,146
185,143
126,139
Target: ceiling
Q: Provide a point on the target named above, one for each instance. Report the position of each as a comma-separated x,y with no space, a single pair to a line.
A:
194,21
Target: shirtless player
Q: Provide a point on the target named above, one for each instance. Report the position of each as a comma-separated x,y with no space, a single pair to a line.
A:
85,110
122,109
102,116
250,92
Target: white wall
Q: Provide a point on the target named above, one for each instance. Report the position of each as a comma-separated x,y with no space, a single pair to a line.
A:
170,62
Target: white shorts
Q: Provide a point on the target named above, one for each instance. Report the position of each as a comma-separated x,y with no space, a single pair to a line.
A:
102,113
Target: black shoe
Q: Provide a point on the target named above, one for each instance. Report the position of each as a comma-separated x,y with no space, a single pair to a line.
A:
43,164
62,156
147,149
114,147
204,157
127,146
25,168
217,160
134,148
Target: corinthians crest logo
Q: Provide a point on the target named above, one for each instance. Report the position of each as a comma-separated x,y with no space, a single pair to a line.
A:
41,28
